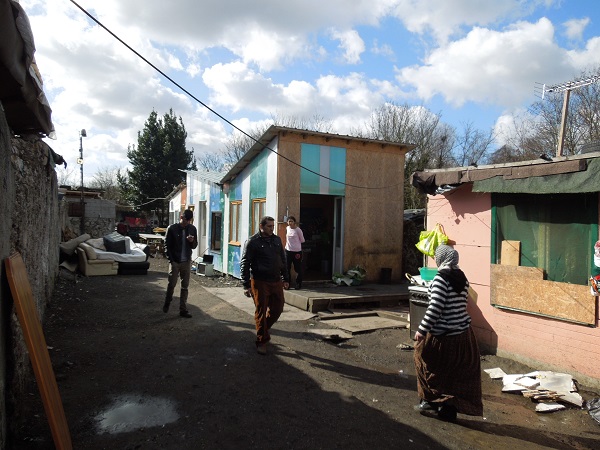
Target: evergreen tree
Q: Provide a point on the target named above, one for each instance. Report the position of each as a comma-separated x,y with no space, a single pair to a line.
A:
157,162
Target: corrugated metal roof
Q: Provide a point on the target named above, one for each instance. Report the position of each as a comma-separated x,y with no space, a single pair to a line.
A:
211,176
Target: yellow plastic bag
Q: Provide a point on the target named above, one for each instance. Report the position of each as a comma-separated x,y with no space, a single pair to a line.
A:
430,240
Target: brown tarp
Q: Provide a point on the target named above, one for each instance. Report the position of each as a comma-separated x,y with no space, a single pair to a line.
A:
21,93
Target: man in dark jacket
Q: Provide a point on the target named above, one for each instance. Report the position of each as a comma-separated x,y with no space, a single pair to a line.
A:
180,239
265,276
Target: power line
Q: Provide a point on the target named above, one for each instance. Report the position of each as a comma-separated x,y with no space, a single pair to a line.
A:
215,112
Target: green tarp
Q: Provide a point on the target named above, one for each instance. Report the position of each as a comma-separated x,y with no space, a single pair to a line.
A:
566,183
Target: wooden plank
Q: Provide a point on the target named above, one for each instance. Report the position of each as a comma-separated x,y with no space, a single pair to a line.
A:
510,253
524,289
356,325
38,351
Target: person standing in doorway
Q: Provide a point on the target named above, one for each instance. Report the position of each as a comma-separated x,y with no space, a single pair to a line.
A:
180,240
265,276
293,250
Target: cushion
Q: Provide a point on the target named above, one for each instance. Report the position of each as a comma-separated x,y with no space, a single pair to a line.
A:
96,243
70,246
114,242
89,251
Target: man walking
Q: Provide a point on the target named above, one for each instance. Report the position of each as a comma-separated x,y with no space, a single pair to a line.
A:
180,239
265,276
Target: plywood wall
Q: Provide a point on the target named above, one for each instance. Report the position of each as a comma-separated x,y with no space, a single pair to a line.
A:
524,289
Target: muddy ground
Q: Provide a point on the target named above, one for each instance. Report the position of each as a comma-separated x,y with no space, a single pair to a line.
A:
132,377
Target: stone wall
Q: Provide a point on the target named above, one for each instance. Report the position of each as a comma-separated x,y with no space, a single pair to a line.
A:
29,224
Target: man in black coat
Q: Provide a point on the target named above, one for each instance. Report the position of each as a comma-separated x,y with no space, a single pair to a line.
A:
180,240
264,274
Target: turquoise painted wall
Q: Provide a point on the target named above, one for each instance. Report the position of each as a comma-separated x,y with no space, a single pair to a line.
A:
258,189
324,160
233,260
258,176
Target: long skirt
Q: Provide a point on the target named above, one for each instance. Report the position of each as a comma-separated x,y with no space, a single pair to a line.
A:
449,371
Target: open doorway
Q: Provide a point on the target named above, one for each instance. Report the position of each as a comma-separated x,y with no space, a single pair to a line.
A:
318,223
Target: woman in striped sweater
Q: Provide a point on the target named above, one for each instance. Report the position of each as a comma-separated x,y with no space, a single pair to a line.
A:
446,353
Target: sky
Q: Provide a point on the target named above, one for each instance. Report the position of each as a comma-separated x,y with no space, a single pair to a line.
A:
471,61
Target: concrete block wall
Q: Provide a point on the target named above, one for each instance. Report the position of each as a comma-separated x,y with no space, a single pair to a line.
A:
100,209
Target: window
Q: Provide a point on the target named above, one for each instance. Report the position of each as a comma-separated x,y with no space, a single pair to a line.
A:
235,219
76,209
202,219
258,212
557,232
216,228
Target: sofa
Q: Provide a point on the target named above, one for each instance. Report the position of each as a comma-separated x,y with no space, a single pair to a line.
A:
127,258
91,266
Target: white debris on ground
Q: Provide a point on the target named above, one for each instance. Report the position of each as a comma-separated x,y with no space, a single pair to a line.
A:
551,390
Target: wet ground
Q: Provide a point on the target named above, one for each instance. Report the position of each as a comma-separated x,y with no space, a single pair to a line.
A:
132,377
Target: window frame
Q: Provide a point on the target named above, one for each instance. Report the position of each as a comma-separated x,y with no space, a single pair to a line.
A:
261,204
235,222
529,257
216,230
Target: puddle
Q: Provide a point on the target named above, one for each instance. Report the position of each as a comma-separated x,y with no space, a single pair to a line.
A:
132,412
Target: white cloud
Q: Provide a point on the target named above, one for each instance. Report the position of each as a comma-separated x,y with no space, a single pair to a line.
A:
494,67
250,61
351,44
444,19
574,28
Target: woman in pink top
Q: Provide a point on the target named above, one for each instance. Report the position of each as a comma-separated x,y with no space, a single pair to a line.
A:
293,249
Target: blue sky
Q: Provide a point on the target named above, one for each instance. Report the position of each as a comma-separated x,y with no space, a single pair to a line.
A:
472,61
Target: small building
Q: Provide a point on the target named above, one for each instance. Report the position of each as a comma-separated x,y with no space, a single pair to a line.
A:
526,233
347,194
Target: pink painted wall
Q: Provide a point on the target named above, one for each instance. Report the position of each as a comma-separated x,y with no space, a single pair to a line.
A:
541,342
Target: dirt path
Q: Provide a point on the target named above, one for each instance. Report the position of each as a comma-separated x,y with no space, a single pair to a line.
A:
132,377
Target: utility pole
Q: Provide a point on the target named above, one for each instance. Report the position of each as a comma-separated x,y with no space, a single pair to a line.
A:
82,134
567,88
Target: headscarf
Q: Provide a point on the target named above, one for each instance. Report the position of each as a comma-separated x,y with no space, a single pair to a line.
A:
446,259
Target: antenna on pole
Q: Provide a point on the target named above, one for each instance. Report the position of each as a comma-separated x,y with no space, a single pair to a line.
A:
566,88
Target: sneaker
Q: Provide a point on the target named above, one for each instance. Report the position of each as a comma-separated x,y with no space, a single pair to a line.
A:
185,314
426,406
166,307
261,349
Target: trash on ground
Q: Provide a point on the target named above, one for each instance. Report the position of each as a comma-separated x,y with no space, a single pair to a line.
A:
551,390
406,347
353,277
495,373
593,407
549,407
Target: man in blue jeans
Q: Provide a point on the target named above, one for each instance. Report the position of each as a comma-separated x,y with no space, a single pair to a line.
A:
180,240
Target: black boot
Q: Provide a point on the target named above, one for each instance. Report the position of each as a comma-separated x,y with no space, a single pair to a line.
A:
447,413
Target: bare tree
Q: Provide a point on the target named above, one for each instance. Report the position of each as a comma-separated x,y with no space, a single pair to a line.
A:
472,145
66,177
238,142
416,125
106,179
210,161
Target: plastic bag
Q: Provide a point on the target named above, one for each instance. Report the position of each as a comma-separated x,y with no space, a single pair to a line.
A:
595,282
430,240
